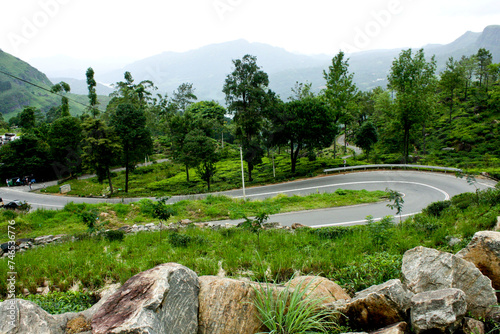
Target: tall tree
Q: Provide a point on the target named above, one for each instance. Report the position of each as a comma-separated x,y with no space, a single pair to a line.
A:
184,96
179,126
452,79
91,84
203,150
306,123
129,123
366,137
27,118
340,92
101,149
60,88
247,98
64,138
413,80
484,59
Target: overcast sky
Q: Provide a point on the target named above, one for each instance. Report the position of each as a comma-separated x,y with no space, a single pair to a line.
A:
94,29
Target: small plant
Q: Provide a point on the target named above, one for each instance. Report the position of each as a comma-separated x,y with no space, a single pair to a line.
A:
290,310
256,225
161,211
89,217
62,302
397,201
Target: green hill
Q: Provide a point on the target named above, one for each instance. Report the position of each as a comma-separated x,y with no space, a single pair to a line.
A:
16,93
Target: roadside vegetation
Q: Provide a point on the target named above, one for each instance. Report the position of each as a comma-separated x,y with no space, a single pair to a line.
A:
75,218
355,257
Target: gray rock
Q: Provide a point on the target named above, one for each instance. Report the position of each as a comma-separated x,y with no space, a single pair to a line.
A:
163,299
378,306
473,326
22,316
426,269
399,328
438,310
484,251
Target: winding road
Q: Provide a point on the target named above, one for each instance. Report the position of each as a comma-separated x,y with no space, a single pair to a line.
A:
419,189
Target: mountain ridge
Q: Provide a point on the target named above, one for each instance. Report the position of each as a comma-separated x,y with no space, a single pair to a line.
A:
207,67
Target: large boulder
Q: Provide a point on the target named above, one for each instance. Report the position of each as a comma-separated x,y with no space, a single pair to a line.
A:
438,310
378,306
22,316
319,288
399,328
163,299
426,269
484,252
226,307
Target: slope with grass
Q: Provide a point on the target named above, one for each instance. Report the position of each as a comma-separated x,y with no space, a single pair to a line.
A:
355,257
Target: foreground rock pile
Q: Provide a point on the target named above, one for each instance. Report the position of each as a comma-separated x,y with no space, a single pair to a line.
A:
438,292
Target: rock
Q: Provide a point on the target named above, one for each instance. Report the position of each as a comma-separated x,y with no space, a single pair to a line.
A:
438,310
399,328
163,299
426,269
77,325
473,326
22,316
186,222
378,306
320,288
226,307
272,225
298,225
484,251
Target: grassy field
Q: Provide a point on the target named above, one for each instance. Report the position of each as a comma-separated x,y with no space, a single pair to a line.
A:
355,257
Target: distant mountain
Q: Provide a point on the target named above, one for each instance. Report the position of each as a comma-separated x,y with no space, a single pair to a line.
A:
207,67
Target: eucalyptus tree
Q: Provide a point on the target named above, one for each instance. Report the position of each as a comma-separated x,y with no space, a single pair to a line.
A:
341,91
129,124
452,79
247,97
184,96
61,88
413,80
91,84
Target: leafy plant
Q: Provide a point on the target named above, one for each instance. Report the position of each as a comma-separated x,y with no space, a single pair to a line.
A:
289,310
62,302
89,217
397,201
115,235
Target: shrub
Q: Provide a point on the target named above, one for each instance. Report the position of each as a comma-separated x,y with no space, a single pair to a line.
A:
435,209
114,235
332,233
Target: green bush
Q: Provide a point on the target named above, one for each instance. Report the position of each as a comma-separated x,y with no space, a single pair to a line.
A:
62,302
333,232
114,235
435,209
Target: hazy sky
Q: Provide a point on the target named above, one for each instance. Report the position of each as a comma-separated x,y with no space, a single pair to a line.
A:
93,29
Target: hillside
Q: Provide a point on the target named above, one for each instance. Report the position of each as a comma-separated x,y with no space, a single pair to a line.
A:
16,94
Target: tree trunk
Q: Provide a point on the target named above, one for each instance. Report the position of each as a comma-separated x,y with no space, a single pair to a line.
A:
126,171
250,168
187,173
109,181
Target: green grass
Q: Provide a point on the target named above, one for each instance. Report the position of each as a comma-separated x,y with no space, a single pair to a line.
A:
111,216
355,257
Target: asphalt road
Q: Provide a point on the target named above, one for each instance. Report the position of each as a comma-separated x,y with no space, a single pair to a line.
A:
419,189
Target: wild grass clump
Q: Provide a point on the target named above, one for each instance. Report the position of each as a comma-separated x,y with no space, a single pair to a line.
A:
290,310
